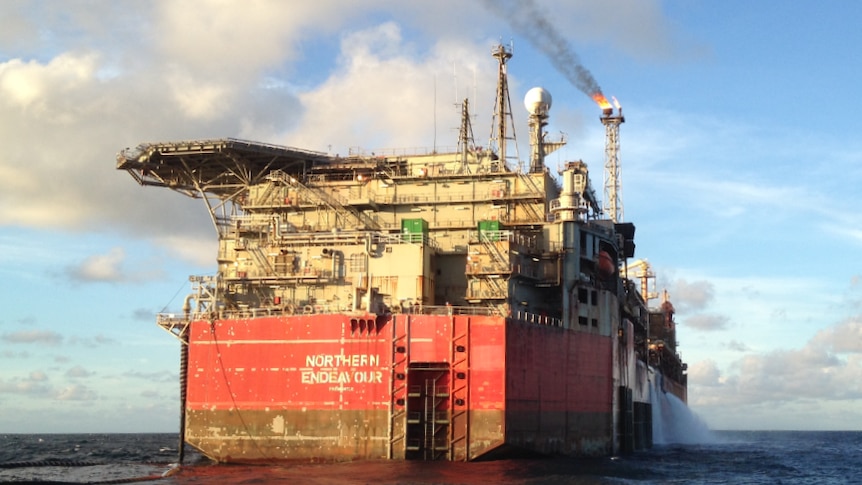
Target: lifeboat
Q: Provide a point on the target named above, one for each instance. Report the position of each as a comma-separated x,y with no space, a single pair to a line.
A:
606,264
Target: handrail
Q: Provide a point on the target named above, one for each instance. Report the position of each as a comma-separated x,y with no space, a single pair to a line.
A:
171,320
167,318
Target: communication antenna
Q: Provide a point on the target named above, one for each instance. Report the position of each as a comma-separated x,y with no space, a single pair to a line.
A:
502,112
466,142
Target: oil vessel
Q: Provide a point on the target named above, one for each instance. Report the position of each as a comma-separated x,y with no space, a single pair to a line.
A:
433,305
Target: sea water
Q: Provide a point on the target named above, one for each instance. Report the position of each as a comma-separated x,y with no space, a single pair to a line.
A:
724,457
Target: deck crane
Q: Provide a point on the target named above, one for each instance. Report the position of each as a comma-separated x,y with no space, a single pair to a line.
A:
642,270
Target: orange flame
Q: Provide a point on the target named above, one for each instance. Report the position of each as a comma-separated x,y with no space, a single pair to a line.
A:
600,98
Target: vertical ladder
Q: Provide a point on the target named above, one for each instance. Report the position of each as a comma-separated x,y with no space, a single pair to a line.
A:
398,381
459,396
435,442
429,418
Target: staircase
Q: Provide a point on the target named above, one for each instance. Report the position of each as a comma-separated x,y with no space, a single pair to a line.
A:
321,197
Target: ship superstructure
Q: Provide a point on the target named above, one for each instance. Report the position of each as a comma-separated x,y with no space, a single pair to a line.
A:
408,306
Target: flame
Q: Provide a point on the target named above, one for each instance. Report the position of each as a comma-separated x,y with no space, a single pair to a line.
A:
600,98
616,103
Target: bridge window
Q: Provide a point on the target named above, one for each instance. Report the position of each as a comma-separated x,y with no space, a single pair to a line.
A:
583,295
357,263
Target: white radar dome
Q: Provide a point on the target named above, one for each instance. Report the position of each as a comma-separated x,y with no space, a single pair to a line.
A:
537,100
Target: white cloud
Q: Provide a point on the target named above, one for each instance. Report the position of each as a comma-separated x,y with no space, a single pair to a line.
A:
199,100
78,372
8,354
764,311
38,376
760,383
35,385
161,376
47,337
199,250
691,296
75,392
100,267
846,337
111,267
703,321
383,95
704,373
247,37
40,89
738,346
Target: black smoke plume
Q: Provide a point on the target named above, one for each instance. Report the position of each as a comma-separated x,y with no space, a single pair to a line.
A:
528,20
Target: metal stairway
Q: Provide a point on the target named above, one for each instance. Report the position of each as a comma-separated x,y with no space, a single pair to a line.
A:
320,197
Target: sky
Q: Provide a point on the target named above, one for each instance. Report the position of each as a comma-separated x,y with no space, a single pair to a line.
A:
740,164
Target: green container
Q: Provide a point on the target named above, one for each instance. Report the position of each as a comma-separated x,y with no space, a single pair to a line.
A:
490,227
414,226
414,230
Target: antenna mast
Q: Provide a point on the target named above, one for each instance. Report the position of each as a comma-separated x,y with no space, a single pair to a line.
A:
465,136
502,111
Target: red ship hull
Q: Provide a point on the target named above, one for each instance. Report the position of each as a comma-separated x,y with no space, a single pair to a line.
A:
344,387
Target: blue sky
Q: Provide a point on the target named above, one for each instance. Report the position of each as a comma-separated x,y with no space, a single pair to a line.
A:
740,167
